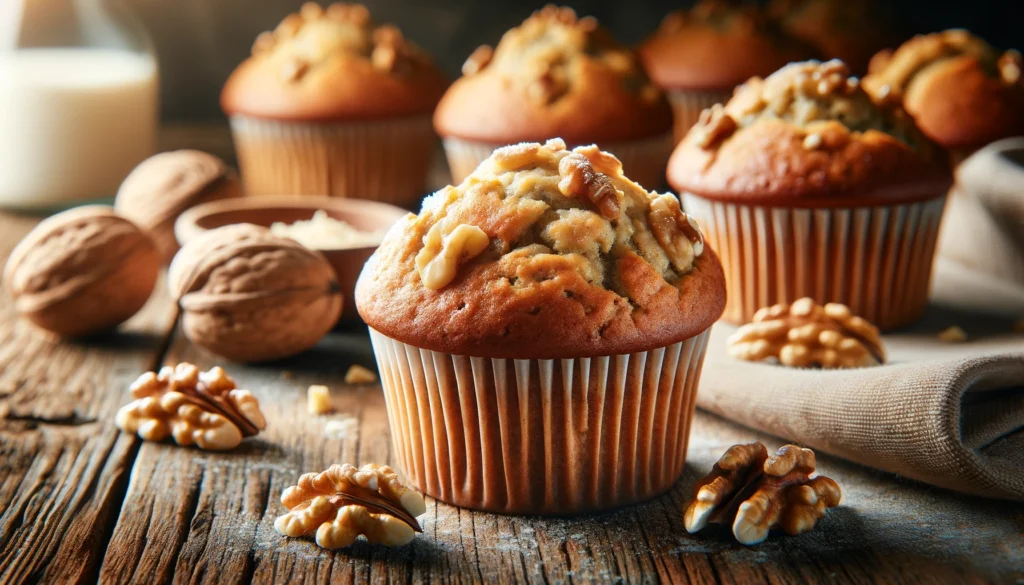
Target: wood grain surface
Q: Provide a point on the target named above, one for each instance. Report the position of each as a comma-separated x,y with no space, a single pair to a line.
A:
81,502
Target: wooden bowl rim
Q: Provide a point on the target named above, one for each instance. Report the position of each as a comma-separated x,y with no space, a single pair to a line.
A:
187,227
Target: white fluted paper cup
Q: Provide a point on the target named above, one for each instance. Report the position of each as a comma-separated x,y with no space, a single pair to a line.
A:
643,160
875,259
386,160
540,436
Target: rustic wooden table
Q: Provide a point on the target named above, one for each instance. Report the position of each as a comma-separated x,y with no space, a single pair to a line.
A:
81,501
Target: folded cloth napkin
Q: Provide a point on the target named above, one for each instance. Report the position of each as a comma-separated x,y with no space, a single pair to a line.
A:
983,227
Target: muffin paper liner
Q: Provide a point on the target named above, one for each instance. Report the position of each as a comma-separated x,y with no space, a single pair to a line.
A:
644,161
877,259
536,436
381,160
687,106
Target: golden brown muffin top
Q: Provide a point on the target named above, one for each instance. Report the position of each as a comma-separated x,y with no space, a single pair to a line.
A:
851,31
716,45
962,92
807,135
543,252
329,64
554,75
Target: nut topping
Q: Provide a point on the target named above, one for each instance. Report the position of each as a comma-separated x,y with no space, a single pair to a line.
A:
714,126
479,59
441,255
677,232
580,179
206,409
756,493
343,502
807,334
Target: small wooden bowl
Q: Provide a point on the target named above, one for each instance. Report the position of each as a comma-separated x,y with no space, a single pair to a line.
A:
264,210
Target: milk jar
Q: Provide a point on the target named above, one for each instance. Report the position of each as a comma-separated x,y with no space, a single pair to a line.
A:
78,101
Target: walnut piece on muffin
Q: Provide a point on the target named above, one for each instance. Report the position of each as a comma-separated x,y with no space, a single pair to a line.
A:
554,75
333,63
961,91
808,134
546,250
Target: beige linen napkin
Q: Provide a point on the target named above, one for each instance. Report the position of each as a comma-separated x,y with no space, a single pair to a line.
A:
949,414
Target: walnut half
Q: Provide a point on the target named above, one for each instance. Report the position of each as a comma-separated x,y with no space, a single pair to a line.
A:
756,493
806,334
343,502
206,409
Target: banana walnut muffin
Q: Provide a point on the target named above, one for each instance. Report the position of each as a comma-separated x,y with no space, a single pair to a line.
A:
698,55
551,293
961,91
330,103
542,239
809,187
556,75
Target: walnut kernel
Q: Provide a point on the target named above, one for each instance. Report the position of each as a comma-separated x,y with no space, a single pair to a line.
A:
952,334
676,232
343,502
206,409
441,255
756,493
357,374
318,399
806,334
579,178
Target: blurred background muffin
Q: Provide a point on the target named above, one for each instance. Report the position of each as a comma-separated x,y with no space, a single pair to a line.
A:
962,92
851,31
554,294
699,55
556,75
331,104
806,187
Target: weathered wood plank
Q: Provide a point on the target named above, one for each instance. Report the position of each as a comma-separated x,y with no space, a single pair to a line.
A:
205,518
64,465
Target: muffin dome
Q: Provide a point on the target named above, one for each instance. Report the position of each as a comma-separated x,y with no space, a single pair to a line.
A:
838,29
808,135
960,90
333,64
554,75
543,252
717,45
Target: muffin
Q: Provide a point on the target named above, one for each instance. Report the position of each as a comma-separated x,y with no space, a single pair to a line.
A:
839,29
699,55
962,92
330,104
540,330
806,187
556,75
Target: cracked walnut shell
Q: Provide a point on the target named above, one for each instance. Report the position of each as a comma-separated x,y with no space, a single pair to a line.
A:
82,271
206,409
756,493
806,334
249,295
343,502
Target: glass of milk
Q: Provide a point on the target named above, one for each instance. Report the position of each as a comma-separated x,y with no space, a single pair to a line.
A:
78,101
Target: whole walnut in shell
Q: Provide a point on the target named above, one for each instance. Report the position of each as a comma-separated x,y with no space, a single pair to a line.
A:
82,271
163,186
248,295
